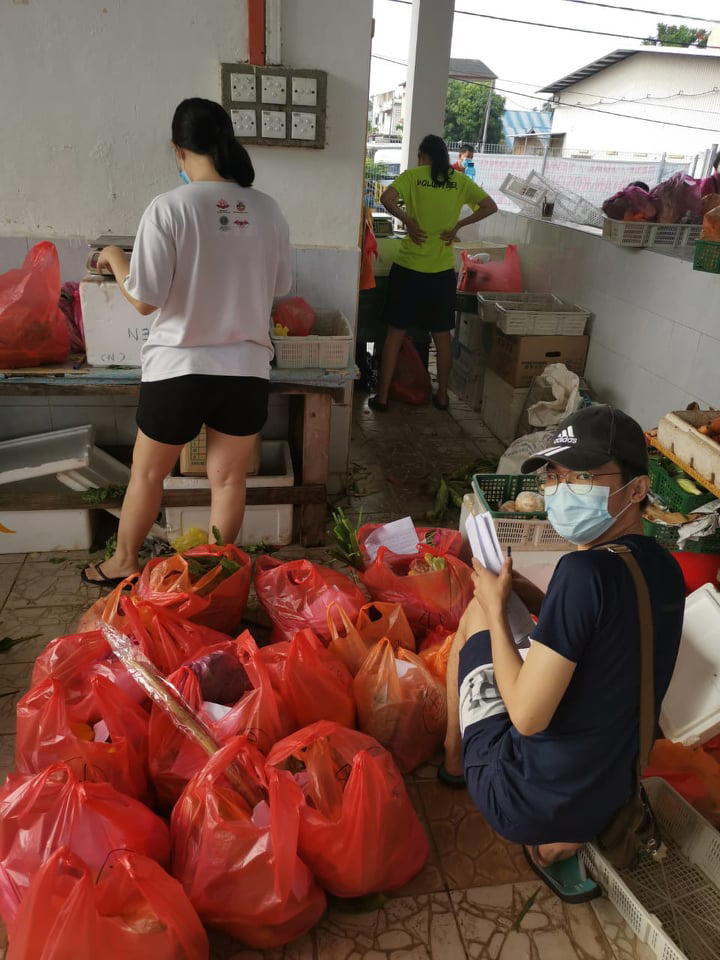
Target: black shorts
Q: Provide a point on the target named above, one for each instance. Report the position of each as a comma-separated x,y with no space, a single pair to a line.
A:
174,411
421,300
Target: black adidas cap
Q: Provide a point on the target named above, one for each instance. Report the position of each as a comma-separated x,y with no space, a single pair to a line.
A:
590,438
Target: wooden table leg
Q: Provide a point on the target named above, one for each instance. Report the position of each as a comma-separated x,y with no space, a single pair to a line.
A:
315,462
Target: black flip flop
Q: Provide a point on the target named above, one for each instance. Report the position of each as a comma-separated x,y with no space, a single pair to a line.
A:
107,583
566,878
377,405
442,407
452,780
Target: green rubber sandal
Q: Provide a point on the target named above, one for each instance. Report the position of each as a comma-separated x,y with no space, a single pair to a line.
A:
567,878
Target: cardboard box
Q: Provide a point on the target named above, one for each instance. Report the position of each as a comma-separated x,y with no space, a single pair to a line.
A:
114,330
518,359
193,457
502,406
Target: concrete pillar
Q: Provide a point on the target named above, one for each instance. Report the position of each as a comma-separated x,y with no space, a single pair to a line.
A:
427,78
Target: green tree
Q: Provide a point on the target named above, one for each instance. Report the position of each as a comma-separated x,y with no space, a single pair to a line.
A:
465,112
670,35
375,171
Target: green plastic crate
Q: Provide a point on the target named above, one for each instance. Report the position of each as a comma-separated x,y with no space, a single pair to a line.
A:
663,484
492,489
707,256
668,537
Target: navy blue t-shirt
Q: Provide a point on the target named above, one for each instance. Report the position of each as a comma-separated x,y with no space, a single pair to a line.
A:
564,785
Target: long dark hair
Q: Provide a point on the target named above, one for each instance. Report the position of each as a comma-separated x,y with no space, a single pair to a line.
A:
436,148
204,127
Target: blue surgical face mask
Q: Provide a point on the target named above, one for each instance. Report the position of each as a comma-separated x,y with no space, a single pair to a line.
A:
184,177
465,161
581,517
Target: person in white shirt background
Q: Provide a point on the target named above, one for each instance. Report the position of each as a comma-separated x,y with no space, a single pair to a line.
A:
212,254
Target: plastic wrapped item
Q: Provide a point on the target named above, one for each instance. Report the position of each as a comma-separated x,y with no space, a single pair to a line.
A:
346,642
231,676
33,328
504,276
435,655
401,704
238,861
297,593
359,832
105,732
54,809
313,682
72,309
711,218
630,203
377,620
692,771
437,598
297,316
135,911
411,381
678,197
448,541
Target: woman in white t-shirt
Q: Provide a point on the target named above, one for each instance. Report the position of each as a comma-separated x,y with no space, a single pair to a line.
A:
209,256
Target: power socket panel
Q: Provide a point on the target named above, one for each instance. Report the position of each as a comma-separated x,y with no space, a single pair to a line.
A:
304,91
243,87
303,126
273,124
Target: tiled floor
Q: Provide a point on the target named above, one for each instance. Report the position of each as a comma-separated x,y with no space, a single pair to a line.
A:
468,900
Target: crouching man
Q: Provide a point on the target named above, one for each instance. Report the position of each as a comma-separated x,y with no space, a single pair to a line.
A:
548,747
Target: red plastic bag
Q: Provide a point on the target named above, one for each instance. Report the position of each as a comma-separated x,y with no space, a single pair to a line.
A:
435,599
401,704
411,381
55,808
377,620
313,682
106,732
504,276
369,250
33,328
346,642
295,314
240,866
135,911
215,600
447,541
359,832
694,773
297,593
230,674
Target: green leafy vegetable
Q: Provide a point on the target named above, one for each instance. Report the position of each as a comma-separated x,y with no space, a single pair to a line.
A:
102,494
346,538
527,907
453,487
218,537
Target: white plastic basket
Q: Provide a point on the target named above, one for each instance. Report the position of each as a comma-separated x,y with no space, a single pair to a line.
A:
568,204
626,233
487,300
524,194
329,347
673,905
638,233
542,319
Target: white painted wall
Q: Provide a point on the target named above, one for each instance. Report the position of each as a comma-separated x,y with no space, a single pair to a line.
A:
660,75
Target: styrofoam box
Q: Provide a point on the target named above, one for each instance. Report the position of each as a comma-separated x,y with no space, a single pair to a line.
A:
473,332
114,330
678,433
502,405
269,523
467,374
691,708
45,530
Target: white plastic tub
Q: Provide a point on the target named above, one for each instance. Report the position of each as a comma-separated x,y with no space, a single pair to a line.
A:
45,530
270,523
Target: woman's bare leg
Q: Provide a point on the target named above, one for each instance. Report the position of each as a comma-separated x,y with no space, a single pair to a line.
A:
472,621
443,349
390,354
228,459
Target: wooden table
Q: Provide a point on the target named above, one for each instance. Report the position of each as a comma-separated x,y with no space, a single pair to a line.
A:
311,395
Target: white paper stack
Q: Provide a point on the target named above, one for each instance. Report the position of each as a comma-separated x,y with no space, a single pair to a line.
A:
400,536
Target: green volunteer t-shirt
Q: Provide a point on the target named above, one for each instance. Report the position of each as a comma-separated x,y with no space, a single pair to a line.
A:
436,209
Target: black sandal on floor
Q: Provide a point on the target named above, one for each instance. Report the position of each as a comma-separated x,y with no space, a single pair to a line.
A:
453,780
443,407
377,405
566,878
108,583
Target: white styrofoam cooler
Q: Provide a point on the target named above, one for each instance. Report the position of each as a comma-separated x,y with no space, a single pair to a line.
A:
691,708
502,406
269,523
45,530
114,330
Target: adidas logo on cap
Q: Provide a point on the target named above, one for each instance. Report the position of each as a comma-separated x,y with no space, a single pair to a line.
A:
563,441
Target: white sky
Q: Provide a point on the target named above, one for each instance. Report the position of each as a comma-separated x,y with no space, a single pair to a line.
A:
526,58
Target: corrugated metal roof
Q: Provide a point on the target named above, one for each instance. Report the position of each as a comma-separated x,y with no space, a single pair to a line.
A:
615,57
470,70
519,123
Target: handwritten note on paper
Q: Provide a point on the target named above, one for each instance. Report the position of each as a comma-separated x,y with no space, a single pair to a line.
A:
400,536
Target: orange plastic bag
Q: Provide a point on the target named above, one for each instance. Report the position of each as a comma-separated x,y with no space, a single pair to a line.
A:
503,276
401,704
694,773
296,315
105,732
433,599
313,682
447,541
296,594
359,832
346,642
55,808
33,328
411,381
711,218
240,866
377,620
435,657
215,600
135,911
369,250
106,609
231,676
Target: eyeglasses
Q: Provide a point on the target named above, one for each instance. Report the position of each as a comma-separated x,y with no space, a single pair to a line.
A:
579,481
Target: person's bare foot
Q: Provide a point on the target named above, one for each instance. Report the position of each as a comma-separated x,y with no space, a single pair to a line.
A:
549,853
112,569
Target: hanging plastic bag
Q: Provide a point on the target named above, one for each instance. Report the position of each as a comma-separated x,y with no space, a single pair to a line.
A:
369,251
359,832
401,704
346,642
297,593
72,310
134,911
694,773
435,656
105,733
504,276
297,316
54,809
229,687
447,541
106,609
377,620
33,329
411,381
433,588
239,864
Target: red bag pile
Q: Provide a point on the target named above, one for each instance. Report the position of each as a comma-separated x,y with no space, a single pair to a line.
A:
296,595
359,832
239,863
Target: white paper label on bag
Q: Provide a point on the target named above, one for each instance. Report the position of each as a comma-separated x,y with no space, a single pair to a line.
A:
400,536
102,734
261,814
216,711
402,667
